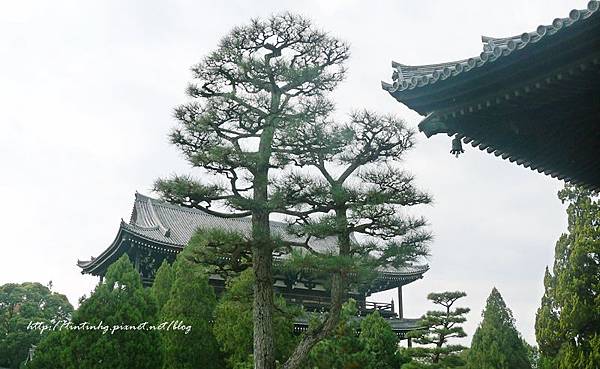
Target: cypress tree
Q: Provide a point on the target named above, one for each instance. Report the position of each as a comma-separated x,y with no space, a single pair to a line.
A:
120,301
163,282
233,323
379,343
568,321
191,304
496,343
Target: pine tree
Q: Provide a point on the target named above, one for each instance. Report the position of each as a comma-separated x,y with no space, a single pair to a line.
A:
568,321
261,105
262,77
496,343
191,303
438,327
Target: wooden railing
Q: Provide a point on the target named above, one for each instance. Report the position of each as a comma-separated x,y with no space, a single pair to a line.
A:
385,309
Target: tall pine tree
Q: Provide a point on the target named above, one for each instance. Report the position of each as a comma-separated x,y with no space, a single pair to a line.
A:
262,77
568,321
496,343
260,106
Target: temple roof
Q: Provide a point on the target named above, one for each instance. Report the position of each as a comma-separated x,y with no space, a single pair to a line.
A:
529,98
411,77
170,227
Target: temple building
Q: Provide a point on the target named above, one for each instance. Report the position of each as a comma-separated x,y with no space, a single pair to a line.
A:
533,98
158,231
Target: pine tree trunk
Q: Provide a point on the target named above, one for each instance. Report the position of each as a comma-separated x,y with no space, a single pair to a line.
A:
263,308
338,289
262,258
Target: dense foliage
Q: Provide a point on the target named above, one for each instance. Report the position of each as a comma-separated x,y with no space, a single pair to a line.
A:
233,323
163,282
496,343
375,347
568,320
20,305
120,300
438,327
192,302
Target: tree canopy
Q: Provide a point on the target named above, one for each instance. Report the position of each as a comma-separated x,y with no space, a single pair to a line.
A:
118,301
20,305
568,320
192,302
496,343
375,347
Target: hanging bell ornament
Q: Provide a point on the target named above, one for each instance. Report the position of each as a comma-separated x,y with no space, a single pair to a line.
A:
456,146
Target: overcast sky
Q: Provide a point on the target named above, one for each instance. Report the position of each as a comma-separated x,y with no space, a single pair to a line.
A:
87,91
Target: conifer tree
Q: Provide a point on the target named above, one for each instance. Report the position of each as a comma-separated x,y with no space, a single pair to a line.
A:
360,190
163,282
568,321
191,303
379,343
438,327
233,323
342,349
119,301
375,347
262,77
258,93
496,343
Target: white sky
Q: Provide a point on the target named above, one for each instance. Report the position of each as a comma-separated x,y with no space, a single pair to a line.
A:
87,91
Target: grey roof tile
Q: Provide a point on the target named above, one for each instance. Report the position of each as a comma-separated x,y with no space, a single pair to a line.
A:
409,77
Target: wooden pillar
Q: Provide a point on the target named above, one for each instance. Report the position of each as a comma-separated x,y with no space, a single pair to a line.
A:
409,342
400,308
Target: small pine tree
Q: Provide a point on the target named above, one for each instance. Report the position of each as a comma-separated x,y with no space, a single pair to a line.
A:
438,327
192,302
496,343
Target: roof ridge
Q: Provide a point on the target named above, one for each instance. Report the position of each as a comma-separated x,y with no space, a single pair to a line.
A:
164,230
158,202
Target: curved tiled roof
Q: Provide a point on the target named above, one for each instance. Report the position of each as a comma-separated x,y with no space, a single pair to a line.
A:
175,225
172,226
407,77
